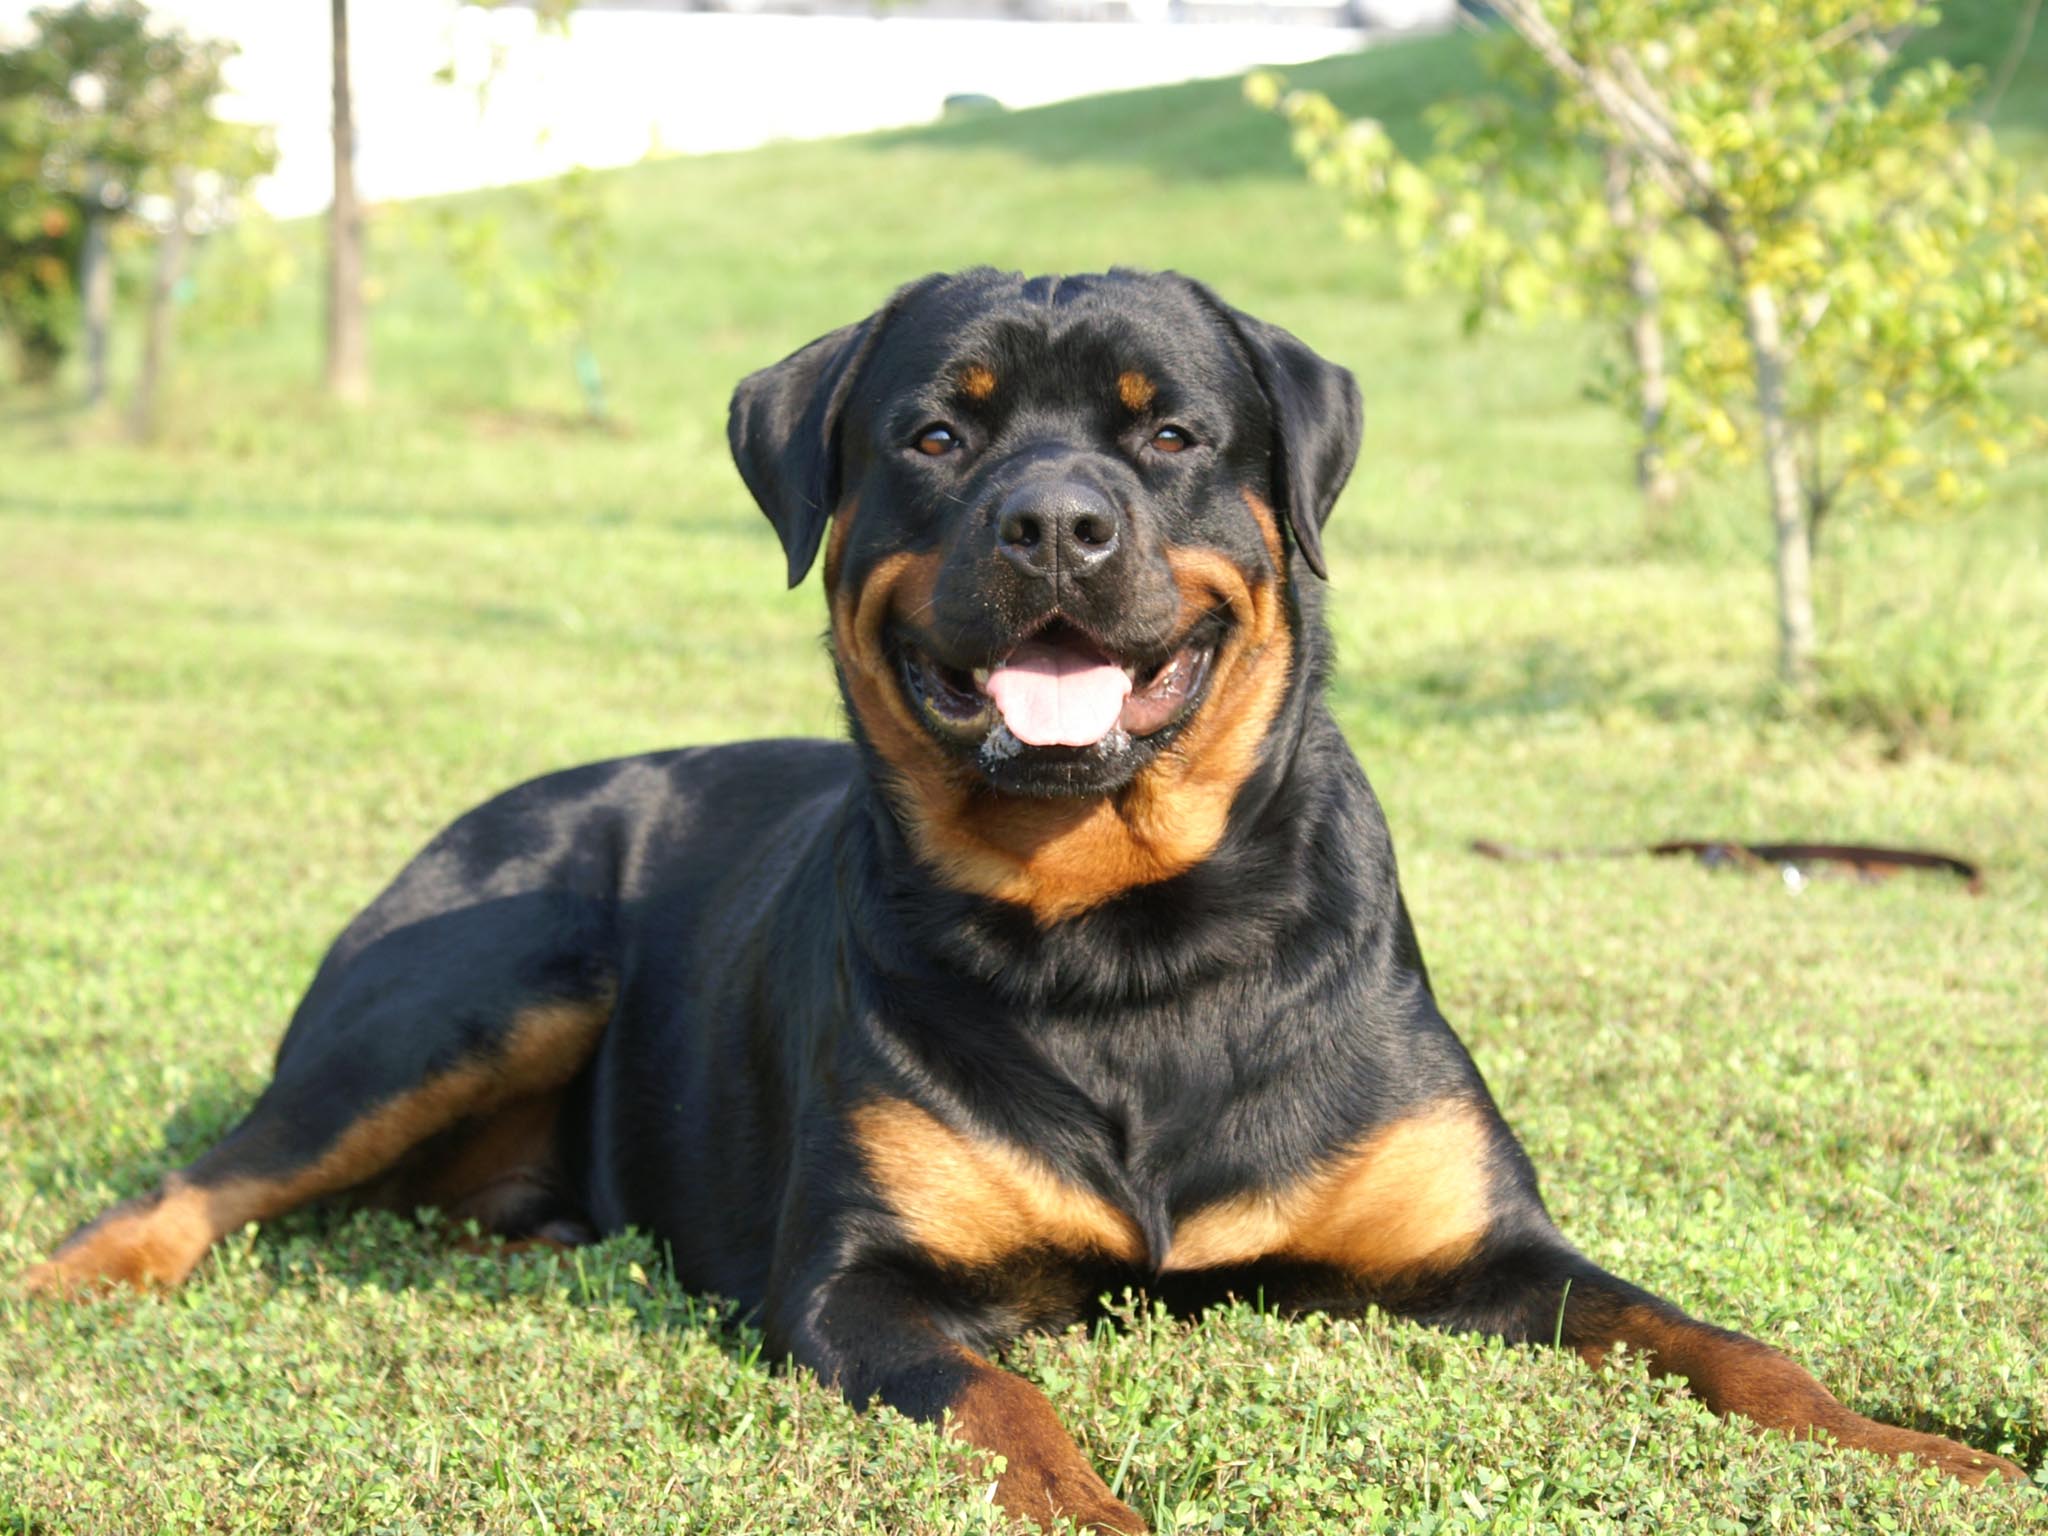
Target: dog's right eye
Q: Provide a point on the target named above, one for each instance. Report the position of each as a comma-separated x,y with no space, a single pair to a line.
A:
937,440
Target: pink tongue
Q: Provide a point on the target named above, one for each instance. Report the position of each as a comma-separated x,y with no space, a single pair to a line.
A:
1058,696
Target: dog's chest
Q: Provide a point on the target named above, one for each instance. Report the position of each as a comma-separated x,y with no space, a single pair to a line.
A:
1413,1194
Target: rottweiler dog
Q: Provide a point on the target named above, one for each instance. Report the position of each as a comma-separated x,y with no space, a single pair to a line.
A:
1083,965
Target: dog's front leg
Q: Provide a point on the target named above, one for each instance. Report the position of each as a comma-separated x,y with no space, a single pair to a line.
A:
872,1335
1546,1292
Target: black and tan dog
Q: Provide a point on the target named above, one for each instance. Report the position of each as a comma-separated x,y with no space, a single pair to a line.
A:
1083,966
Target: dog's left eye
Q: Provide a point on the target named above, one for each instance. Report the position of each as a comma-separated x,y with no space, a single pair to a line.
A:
937,440
1172,439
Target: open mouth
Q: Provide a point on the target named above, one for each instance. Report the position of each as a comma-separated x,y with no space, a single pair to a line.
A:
1059,688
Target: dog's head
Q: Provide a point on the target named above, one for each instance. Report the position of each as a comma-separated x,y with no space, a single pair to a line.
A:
1064,514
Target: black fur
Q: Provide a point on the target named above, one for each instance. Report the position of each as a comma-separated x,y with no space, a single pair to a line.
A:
780,955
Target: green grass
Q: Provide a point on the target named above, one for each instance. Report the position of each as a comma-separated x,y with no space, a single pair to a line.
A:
248,671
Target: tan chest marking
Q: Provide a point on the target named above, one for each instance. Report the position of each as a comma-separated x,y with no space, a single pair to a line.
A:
970,1202
1414,1196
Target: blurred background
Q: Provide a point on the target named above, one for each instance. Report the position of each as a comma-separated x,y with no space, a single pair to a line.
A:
362,451
454,327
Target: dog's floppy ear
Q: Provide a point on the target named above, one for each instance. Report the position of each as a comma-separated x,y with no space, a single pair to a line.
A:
784,430
1317,422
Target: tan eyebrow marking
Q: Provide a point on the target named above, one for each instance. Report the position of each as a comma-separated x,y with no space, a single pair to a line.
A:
1135,390
977,381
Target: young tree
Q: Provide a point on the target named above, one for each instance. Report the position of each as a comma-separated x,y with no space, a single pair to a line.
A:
1844,266
106,111
544,259
348,327
541,253
156,342
1636,232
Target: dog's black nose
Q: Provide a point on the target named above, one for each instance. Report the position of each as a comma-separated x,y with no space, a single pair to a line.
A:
1064,529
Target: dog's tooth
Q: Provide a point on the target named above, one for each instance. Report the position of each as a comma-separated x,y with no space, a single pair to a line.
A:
981,678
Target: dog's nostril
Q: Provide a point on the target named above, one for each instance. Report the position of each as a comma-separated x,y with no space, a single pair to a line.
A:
1022,529
1093,531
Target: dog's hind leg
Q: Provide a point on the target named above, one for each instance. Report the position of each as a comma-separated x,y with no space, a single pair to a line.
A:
422,1068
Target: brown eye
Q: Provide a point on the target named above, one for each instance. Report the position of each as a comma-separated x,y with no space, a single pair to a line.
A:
936,441
1171,439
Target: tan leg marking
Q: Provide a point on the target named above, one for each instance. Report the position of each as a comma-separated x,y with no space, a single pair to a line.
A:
1061,857
486,1168
1735,1375
155,1239
970,1202
1412,1197
1045,1474
158,1238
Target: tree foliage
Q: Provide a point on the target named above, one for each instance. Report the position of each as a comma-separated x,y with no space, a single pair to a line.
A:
41,235
542,253
102,110
543,256
1846,267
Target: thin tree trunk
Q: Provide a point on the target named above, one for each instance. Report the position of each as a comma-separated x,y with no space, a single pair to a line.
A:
96,289
1796,635
163,292
1645,332
348,340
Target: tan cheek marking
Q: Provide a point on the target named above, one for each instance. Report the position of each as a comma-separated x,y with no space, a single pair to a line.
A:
1413,1197
924,781
159,1238
977,381
1135,390
1180,805
1269,530
1061,857
971,1202
835,544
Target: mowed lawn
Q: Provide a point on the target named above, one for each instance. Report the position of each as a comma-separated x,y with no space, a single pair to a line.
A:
244,674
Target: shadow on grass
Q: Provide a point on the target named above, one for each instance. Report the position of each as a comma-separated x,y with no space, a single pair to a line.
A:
323,1246
41,408
1204,130
331,1247
135,509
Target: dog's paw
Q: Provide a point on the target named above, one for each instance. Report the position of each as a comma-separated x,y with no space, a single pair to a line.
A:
1109,1518
1075,1494
155,1240
60,1278
1969,1464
